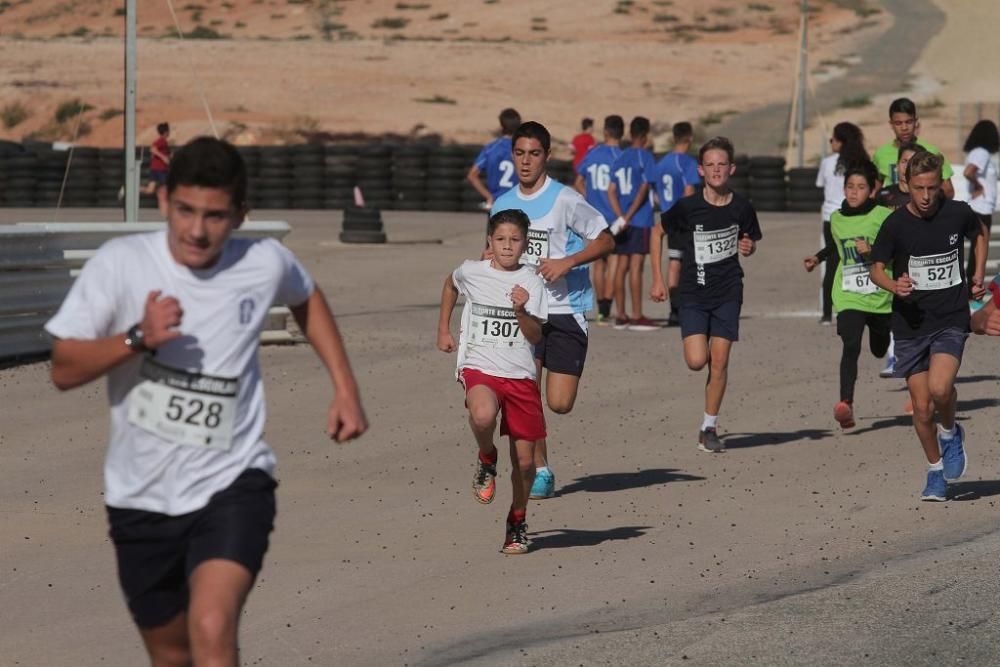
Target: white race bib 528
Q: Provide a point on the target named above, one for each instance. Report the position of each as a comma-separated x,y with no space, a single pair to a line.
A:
183,407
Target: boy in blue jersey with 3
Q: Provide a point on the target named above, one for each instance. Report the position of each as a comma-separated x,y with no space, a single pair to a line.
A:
494,162
566,234
632,175
593,176
676,177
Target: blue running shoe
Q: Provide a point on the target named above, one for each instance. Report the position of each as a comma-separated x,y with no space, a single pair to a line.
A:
953,454
544,486
890,368
936,489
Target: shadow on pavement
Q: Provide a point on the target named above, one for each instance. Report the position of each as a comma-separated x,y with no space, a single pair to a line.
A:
888,422
620,481
974,490
977,404
569,537
976,378
737,440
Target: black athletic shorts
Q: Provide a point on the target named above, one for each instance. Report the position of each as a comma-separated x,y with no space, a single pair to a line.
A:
564,345
721,321
157,552
913,355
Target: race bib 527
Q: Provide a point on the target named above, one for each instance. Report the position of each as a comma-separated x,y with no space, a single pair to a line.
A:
934,272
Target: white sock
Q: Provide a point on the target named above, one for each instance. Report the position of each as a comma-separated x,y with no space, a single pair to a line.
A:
544,468
936,466
947,433
710,421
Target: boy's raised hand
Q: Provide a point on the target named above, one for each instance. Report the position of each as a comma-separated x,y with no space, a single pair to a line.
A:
810,263
518,297
747,245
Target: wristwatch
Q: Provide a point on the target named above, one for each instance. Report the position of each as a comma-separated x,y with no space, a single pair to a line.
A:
133,339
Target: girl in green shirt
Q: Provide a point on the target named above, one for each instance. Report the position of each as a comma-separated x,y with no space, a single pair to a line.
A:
859,302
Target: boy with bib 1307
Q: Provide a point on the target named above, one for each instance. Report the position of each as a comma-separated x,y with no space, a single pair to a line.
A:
505,307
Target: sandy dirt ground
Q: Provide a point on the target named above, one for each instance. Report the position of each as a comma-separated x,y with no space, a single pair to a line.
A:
448,70
800,545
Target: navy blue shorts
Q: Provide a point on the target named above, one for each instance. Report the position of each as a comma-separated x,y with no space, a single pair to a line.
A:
913,355
632,241
721,321
158,177
157,552
564,344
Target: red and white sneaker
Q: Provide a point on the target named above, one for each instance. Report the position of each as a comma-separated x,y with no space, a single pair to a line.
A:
516,540
484,484
643,324
843,412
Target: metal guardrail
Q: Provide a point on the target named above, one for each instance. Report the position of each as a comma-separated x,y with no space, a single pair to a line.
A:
40,260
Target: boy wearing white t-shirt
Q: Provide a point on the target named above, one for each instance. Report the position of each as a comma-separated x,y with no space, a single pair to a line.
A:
173,318
505,307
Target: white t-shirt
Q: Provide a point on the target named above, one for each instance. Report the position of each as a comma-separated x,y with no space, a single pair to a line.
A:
224,310
491,340
832,184
986,172
561,224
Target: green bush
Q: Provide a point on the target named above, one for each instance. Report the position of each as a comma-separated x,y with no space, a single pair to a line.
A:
71,109
14,114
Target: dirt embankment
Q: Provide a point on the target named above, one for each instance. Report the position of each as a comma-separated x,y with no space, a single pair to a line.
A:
272,69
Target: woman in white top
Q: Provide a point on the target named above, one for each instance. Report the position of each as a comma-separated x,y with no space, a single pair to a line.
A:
848,146
981,150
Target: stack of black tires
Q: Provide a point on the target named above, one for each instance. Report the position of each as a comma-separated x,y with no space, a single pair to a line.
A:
446,170
402,176
110,176
340,161
409,177
803,195
362,225
740,181
767,188
271,179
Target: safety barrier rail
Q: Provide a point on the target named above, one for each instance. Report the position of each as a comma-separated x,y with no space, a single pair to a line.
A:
40,260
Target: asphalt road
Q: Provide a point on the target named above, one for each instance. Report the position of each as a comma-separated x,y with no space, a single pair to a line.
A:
882,65
802,544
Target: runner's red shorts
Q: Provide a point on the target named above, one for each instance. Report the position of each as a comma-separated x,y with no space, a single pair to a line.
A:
520,401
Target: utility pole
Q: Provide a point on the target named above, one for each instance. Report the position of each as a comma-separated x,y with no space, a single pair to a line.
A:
131,211
801,119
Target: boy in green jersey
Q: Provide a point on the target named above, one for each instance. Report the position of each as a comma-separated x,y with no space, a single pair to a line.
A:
905,125
858,301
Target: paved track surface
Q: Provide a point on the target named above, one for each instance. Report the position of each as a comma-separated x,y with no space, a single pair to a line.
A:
800,545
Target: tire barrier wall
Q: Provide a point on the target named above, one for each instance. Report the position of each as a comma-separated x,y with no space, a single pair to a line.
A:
407,177
39,261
